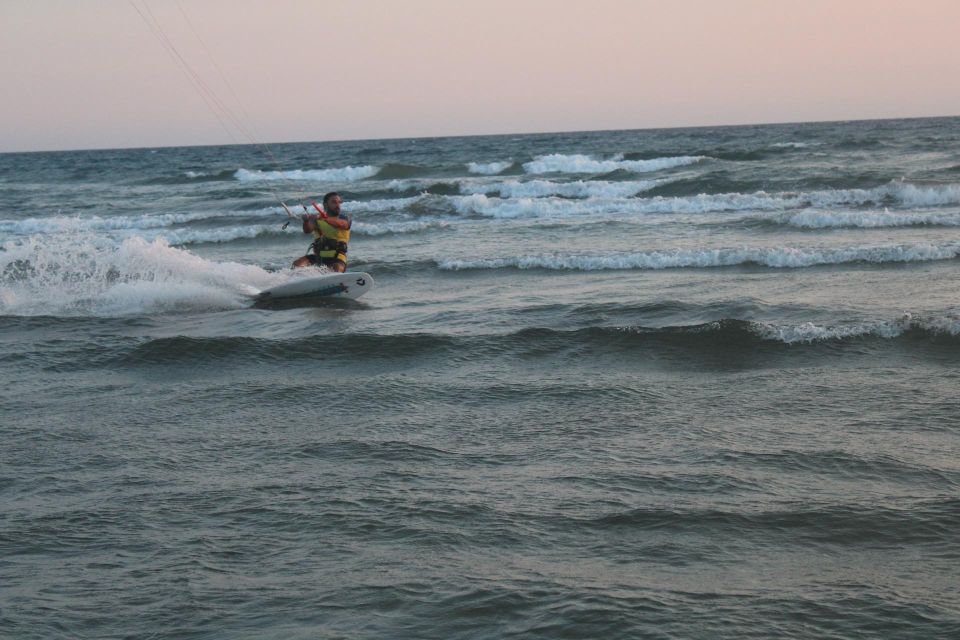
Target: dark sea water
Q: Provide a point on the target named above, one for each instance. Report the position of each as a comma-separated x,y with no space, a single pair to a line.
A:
690,383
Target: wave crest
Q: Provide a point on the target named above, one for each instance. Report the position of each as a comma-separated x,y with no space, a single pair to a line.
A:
866,219
342,174
580,163
542,204
546,188
489,168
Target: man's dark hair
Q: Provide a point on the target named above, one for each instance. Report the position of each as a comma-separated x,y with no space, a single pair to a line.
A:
326,197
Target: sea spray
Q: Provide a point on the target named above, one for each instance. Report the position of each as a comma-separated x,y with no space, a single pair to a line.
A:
97,275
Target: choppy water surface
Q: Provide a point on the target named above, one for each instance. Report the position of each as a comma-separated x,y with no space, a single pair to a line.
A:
666,384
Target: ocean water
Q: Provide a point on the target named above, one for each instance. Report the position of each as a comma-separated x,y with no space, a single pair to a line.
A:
689,383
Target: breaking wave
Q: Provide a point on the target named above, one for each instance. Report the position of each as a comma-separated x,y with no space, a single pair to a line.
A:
579,163
546,188
865,219
385,205
489,168
892,194
413,226
343,174
795,145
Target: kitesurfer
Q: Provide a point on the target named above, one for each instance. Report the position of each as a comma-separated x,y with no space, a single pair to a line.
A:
331,232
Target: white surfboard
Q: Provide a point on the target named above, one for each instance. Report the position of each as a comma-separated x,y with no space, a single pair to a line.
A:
351,284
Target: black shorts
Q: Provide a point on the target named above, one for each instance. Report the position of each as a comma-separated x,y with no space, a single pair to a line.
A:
316,260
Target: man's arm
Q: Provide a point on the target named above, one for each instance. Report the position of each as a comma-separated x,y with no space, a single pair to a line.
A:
339,222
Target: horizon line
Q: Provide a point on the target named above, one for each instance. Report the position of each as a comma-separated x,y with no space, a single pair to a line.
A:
476,135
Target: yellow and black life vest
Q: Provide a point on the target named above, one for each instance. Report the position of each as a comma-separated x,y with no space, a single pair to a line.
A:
330,242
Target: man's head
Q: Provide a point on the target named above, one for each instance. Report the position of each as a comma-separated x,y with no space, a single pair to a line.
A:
332,202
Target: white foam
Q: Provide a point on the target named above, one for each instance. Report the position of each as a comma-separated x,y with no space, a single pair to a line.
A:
481,204
350,207
776,257
163,224
579,163
809,332
391,204
545,188
407,184
912,195
489,168
342,174
74,224
413,226
865,219
906,194
97,275
179,237
894,193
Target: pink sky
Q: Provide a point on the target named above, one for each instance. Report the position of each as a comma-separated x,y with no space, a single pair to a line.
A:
90,74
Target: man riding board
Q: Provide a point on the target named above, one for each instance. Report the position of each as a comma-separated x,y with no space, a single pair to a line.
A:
331,233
